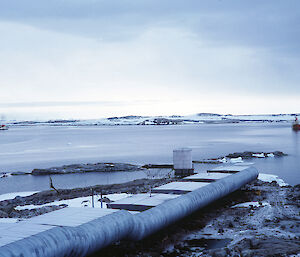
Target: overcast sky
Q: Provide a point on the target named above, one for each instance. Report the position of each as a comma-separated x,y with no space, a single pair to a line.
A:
94,58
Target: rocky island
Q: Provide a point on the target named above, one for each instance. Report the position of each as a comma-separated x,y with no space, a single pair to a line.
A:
83,168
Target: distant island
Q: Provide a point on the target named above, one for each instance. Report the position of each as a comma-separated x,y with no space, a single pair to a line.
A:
200,118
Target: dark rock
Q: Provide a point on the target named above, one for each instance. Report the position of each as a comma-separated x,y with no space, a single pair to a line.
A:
249,155
164,121
279,154
19,173
269,246
221,230
7,209
158,166
3,214
82,168
244,155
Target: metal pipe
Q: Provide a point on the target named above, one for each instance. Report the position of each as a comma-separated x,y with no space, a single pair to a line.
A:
73,241
150,221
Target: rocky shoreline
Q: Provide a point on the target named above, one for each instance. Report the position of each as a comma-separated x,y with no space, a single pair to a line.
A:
250,155
77,168
261,219
8,207
89,167
240,156
115,167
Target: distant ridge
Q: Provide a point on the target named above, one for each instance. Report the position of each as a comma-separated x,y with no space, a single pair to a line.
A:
199,118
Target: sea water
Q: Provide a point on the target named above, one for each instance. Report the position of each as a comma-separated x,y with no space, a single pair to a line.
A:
26,148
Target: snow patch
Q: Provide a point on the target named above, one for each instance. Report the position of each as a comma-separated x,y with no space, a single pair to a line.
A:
9,220
236,160
259,155
270,178
249,204
10,196
224,160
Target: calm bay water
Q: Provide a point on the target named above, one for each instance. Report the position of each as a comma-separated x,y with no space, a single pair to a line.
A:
26,148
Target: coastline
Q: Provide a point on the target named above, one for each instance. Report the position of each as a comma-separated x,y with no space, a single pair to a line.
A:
261,219
232,158
8,207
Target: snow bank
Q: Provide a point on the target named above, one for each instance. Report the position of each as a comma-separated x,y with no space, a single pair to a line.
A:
9,196
236,160
270,178
8,220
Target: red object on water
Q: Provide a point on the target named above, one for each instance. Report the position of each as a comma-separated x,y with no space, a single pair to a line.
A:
296,127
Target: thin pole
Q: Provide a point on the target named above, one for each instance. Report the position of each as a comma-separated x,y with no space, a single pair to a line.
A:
93,198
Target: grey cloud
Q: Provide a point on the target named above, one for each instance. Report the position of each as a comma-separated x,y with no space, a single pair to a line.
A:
74,103
264,23
269,27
